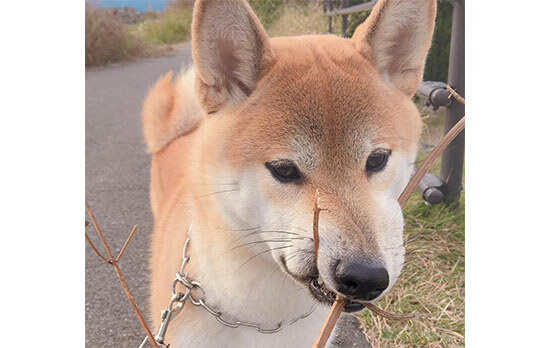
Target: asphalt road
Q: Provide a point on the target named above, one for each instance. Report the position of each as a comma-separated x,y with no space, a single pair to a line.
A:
117,179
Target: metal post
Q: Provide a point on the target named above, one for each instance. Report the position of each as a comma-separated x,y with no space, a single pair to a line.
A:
330,9
344,20
452,158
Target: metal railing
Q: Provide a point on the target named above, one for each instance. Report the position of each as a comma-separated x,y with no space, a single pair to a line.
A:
449,186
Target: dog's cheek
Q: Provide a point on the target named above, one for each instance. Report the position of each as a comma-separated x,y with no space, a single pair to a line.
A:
244,203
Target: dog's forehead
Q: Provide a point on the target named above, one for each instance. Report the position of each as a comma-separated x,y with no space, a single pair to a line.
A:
323,99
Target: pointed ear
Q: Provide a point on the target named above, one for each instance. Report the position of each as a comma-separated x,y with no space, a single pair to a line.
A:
230,50
396,37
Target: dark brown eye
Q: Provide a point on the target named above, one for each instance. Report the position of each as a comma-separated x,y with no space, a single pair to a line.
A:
283,170
377,160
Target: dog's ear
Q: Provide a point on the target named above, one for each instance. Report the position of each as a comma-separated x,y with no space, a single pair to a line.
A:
230,50
396,37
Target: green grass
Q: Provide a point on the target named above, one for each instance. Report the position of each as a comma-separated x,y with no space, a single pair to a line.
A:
432,282
171,26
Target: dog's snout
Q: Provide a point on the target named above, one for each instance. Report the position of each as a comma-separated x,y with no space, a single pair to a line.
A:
361,280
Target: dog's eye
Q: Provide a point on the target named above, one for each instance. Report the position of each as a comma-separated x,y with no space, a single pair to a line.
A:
283,170
377,160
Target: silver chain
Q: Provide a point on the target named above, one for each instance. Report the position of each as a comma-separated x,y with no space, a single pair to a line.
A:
178,301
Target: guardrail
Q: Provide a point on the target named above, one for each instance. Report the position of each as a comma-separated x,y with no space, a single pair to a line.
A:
449,186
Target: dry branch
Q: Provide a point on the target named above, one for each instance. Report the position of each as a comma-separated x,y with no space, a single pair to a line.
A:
316,216
455,94
389,315
331,320
420,173
114,262
339,303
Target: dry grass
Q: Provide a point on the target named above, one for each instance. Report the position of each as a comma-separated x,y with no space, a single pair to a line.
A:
108,40
299,19
171,26
433,278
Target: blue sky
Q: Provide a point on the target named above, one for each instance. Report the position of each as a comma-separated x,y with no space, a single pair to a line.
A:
140,5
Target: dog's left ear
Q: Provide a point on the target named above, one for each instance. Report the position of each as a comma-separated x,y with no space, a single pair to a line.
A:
230,50
396,37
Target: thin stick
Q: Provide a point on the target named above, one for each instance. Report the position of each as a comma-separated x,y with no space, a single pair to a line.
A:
444,142
126,243
389,315
455,94
95,249
316,216
339,303
331,320
118,270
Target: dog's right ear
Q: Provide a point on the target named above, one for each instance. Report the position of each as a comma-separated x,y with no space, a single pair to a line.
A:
230,50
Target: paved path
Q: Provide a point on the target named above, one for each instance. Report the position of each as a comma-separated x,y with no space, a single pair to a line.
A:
117,179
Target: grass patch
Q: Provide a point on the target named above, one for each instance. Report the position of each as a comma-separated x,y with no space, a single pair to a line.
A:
169,27
432,282
298,19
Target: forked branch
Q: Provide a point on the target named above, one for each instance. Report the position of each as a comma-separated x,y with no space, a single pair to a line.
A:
111,260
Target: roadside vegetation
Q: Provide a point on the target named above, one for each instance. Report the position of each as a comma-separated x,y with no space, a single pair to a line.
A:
299,18
108,39
171,26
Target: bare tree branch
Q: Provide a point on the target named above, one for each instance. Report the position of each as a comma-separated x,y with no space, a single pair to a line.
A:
114,262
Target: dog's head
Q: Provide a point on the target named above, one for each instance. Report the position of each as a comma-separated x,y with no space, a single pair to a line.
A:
285,117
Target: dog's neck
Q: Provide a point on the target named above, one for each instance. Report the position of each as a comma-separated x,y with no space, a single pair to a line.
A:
246,288
254,291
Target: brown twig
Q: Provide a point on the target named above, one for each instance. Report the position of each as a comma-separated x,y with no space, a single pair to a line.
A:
95,249
455,94
389,315
426,165
339,303
126,243
331,320
114,262
316,216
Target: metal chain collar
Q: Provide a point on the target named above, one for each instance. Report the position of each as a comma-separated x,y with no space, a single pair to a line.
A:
178,301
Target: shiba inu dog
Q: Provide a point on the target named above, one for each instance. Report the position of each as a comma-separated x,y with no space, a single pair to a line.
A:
240,143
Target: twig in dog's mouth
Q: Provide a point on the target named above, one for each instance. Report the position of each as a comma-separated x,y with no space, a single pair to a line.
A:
316,216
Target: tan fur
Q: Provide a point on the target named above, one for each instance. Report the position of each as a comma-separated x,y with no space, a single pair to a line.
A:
170,110
323,102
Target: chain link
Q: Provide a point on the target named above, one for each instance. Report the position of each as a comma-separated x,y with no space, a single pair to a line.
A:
178,301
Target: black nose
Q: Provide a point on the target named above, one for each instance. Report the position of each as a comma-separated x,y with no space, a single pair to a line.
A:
360,280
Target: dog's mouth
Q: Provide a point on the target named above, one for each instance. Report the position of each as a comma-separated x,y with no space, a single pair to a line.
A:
324,295
320,292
